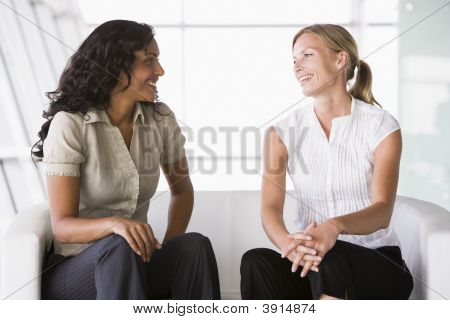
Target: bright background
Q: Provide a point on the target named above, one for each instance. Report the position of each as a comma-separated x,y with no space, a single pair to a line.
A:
228,65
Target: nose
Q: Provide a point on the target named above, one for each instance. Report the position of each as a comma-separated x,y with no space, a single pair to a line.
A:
159,69
298,66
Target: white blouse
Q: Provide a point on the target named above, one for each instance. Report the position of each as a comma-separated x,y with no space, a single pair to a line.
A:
334,177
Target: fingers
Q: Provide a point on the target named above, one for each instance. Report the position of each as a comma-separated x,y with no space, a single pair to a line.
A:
313,268
140,237
308,262
155,242
148,238
299,236
306,268
315,259
307,250
290,248
141,243
311,225
297,260
133,244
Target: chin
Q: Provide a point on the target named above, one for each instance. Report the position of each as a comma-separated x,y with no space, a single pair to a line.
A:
307,93
148,98
311,91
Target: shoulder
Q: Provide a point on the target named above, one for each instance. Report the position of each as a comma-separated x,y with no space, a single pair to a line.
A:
66,121
373,116
288,128
294,118
68,117
367,110
163,108
64,135
377,123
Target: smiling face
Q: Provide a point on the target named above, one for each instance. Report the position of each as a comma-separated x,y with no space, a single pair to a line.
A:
145,72
317,67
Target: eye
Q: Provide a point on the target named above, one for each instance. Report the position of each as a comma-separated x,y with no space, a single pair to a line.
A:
150,61
308,55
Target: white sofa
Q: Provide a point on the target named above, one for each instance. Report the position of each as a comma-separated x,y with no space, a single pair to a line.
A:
5,220
231,220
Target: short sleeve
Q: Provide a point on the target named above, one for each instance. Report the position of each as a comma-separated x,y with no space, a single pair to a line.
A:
173,139
384,125
62,148
287,131
282,131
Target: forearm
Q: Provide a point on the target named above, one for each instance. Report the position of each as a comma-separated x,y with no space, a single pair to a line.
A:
274,227
180,211
82,230
373,218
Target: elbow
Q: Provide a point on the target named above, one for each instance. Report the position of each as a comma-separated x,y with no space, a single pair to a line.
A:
60,236
385,225
59,232
388,210
387,221
184,188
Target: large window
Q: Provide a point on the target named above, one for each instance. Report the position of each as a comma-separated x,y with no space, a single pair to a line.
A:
229,73
36,40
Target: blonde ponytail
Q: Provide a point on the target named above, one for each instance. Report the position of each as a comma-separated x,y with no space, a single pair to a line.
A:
362,89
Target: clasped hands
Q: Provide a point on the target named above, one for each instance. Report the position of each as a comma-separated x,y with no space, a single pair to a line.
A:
308,248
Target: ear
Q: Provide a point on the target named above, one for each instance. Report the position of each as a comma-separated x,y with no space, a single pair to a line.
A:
342,59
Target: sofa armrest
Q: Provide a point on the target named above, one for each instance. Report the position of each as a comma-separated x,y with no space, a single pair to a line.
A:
424,232
22,251
5,220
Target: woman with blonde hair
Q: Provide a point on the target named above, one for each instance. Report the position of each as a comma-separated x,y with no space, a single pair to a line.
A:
342,153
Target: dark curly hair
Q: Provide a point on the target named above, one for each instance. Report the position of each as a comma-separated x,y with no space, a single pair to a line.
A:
93,71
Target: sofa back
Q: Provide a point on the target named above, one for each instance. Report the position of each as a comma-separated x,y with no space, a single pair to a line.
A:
231,219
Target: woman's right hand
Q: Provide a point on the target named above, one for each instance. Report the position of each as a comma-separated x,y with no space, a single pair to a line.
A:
299,254
139,235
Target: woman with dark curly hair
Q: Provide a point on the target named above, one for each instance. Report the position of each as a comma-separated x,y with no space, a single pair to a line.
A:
104,141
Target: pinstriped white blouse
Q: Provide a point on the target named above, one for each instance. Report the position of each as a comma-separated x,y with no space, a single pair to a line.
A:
334,177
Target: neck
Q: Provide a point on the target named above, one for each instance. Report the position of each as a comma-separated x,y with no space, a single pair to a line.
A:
333,103
120,110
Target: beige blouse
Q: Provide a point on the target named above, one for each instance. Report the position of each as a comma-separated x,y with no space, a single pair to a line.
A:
114,181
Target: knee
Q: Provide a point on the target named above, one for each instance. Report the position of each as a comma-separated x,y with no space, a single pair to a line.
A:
254,258
196,244
116,245
331,261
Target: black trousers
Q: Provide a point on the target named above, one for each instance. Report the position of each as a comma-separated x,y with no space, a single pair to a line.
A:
185,268
347,271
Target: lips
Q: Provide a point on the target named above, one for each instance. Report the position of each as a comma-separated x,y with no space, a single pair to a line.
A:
305,77
151,83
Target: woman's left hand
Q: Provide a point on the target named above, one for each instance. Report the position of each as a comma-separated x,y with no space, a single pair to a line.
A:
324,237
